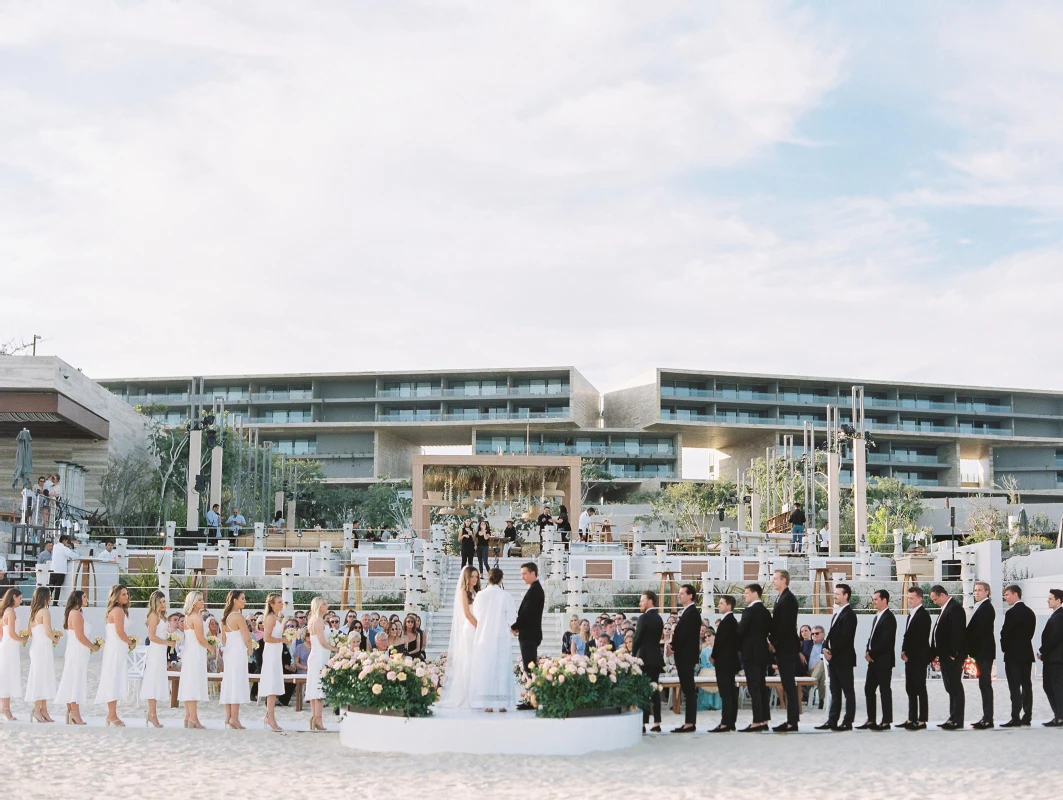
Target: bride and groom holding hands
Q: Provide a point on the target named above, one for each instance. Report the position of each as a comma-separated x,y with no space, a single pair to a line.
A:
479,670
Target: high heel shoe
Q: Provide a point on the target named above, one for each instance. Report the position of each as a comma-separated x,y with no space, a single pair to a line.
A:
230,726
69,717
152,719
316,726
272,724
35,716
115,722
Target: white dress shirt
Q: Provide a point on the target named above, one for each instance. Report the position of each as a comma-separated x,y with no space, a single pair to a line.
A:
61,555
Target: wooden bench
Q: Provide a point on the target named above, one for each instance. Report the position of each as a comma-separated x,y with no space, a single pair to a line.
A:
215,677
709,682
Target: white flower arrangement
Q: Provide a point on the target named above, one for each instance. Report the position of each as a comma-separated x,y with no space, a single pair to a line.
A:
57,635
134,641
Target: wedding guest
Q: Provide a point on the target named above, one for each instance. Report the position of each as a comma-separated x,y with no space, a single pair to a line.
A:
10,652
916,655
753,631
982,647
175,626
62,552
948,641
108,555
839,650
414,638
356,638
320,651
724,658
193,687
381,642
804,633
880,657
483,535
812,652
40,683
301,650
708,700
396,641
73,685
1016,643
1051,655
216,655
348,621
271,681
605,644
467,543
580,642
564,526
238,644
646,645
685,647
155,685
786,645
116,647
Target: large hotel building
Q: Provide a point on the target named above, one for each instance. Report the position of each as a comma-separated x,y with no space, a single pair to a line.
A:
365,427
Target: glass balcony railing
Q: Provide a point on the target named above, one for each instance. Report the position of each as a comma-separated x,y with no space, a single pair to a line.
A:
413,394
410,416
158,399
485,448
270,396
618,471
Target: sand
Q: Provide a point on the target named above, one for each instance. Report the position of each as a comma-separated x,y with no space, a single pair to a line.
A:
59,761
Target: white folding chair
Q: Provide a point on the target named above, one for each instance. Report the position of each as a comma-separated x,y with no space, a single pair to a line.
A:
135,662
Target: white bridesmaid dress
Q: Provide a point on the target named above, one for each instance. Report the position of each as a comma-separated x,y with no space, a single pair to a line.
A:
156,684
271,681
193,670
74,685
315,663
40,685
10,666
235,687
113,669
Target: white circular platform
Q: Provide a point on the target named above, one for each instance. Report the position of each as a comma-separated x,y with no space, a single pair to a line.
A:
477,732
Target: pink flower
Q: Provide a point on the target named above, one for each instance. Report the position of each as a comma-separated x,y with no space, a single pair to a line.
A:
391,676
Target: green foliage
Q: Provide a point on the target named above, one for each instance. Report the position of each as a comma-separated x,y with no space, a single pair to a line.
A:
391,682
140,586
611,680
891,504
595,475
690,506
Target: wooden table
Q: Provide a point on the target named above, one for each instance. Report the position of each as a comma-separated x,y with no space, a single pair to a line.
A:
215,677
709,682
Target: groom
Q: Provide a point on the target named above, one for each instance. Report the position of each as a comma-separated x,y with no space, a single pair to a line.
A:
529,625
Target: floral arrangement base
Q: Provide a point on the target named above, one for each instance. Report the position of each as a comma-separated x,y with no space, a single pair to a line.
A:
480,733
376,712
576,713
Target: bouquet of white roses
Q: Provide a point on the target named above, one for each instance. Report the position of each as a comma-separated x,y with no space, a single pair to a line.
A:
134,641
56,636
290,635
25,635
173,638
98,641
212,641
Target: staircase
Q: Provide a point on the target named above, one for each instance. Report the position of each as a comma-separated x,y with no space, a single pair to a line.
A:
439,622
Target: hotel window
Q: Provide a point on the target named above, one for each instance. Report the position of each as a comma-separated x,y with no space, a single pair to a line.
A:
297,447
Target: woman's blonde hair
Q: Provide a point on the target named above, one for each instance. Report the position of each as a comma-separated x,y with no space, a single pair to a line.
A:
269,603
112,600
315,606
190,602
156,600
42,598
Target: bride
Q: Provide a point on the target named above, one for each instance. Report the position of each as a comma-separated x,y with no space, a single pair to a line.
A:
456,683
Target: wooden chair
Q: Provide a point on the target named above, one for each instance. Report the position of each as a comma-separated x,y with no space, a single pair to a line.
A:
351,571
821,584
669,592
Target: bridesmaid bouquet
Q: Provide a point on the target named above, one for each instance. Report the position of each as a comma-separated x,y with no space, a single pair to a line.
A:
98,641
133,642
212,641
56,636
289,635
251,646
25,636
172,638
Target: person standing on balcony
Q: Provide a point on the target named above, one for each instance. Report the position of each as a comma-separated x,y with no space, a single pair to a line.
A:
214,521
797,528
586,519
235,522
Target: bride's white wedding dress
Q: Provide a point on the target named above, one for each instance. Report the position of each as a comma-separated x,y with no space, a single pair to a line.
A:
491,679
459,658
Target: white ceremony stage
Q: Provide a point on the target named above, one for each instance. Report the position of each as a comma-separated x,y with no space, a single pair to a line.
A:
478,732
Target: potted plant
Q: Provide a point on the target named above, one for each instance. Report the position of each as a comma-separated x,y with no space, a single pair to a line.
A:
380,683
579,686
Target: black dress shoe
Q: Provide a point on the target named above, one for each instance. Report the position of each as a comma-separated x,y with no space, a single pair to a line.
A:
845,726
786,727
753,729
1054,723
905,725
983,725
655,729
1026,723
721,728
866,726
945,723
684,729
525,707
917,726
951,726
826,726
1012,723
883,726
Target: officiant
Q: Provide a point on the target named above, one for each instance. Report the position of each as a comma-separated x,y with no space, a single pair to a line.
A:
491,683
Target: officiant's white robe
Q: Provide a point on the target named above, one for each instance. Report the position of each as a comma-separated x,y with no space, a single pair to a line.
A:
492,683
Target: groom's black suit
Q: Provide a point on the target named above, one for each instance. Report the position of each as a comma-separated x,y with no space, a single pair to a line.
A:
529,624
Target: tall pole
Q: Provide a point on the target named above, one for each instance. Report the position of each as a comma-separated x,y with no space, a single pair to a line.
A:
859,472
195,445
833,478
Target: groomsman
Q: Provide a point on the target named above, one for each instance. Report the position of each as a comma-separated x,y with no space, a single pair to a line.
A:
1016,643
880,657
982,647
840,652
725,659
647,646
753,630
1051,654
686,639
915,653
948,641
786,645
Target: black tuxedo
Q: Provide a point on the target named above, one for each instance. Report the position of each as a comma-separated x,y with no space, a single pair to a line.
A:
841,642
787,646
529,624
647,646
881,648
1016,643
753,631
916,648
949,643
725,660
1052,657
982,647
686,642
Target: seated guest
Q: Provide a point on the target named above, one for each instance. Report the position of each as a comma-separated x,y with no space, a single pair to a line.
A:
288,666
812,651
629,641
348,621
215,662
604,643
381,641
566,637
301,651
580,644
615,637
707,700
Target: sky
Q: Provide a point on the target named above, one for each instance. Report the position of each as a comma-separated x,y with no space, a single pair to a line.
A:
865,189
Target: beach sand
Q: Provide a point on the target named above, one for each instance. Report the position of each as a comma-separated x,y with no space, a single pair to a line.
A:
59,761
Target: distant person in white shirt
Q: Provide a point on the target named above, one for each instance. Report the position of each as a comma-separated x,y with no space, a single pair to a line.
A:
62,552
108,553
585,521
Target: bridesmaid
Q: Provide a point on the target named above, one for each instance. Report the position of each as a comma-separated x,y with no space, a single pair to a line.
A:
320,650
116,646
155,685
271,682
73,686
10,652
235,687
193,687
40,685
